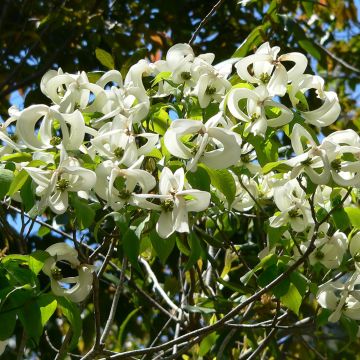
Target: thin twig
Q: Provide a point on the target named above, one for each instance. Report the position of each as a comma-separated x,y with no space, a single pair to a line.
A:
205,20
158,287
115,302
63,349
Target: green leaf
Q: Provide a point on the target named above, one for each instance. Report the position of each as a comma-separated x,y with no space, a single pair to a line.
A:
254,39
194,243
300,281
47,304
123,326
27,195
43,230
131,244
207,343
162,247
266,151
161,76
84,213
341,219
17,157
350,326
265,262
72,314
223,181
94,76
37,260
7,321
199,309
18,182
292,299
105,58
6,178
30,317
354,216
199,179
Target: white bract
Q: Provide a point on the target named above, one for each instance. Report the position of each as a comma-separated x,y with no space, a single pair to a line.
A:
53,186
76,288
215,146
175,202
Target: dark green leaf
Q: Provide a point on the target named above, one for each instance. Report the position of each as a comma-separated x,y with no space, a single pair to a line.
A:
72,314
105,58
162,247
131,244
6,177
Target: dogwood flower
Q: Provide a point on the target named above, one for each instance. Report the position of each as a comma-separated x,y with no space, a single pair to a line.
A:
341,297
246,192
295,210
54,185
69,91
327,113
257,101
176,202
45,138
224,144
75,288
329,250
117,186
117,141
268,68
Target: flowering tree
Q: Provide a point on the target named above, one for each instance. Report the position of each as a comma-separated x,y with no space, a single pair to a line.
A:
200,203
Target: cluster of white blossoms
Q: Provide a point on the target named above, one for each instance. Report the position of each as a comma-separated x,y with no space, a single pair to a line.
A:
130,143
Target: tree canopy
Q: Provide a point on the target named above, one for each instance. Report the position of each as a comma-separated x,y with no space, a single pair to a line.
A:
156,203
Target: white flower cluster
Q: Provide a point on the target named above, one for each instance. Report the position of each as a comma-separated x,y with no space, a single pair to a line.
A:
222,121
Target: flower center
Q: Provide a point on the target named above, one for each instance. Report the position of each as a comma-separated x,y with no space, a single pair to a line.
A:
56,273
319,254
119,152
254,117
62,184
185,75
336,164
167,205
294,213
124,194
210,90
245,158
55,140
265,78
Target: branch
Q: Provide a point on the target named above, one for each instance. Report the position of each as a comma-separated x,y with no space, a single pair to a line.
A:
115,302
205,20
158,287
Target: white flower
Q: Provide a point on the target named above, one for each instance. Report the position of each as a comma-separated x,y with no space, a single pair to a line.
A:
54,185
341,298
116,141
243,200
268,68
210,86
224,144
50,117
295,210
329,250
117,186
257,101
75,288
313,159
176,202
328,112
69,91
